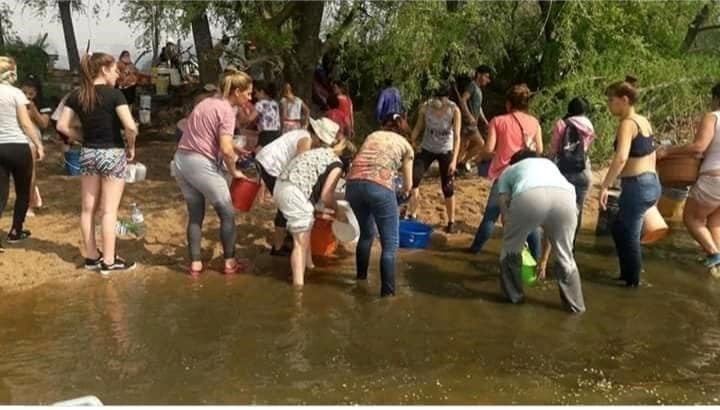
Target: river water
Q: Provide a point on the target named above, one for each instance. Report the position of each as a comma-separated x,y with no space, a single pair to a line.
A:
447,337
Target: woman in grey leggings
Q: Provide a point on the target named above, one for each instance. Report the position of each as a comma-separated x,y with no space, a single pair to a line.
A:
205,145
534,193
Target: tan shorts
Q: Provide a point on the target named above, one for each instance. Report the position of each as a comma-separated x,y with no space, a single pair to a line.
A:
706,191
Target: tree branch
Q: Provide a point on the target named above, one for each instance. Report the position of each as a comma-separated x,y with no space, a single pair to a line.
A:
341,29
287,11
715,27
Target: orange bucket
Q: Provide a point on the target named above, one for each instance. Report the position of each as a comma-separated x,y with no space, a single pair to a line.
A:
243,193
322,239
654,227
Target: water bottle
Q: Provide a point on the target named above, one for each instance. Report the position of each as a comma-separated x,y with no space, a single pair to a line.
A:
399,191
138,220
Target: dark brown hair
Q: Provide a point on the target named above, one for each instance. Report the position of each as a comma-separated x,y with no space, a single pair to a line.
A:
625,88
91,66
518,96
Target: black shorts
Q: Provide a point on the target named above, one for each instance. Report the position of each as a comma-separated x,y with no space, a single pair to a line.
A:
266,137
423,161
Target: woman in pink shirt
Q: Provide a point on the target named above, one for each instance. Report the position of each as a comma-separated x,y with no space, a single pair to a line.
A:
507,134
206,144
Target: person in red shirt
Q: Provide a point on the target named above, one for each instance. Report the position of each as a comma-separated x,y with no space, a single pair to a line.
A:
338,116
346,105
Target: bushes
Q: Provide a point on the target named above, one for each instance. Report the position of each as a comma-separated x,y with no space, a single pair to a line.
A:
31,58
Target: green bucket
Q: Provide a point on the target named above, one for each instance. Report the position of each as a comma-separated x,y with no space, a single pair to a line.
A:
527,271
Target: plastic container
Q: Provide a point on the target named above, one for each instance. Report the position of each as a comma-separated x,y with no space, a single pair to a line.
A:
145,116
527,271
346,232
322,239
135,172
606,217
161,84
672,202
414,235
654,227
678,171
80,401
243,193
483,168
145,102
72,162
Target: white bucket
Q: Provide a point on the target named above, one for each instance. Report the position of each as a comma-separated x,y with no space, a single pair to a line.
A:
135,172
172,168
175,79
346,232
144,116
145,102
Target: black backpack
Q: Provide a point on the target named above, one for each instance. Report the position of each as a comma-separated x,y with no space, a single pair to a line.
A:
571,154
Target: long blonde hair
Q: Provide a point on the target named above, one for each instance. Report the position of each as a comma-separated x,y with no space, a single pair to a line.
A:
8,70
232,80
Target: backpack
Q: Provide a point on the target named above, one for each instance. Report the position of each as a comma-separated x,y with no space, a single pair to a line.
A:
571,154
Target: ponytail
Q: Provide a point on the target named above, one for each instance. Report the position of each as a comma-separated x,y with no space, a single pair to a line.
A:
91,66
231,80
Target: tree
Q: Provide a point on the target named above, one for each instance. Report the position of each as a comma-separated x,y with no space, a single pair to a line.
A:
209,67
64,8
151,19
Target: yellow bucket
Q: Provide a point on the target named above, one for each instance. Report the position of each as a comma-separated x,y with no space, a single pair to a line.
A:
161,85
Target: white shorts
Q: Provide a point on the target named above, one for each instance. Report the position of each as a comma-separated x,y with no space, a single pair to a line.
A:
298,210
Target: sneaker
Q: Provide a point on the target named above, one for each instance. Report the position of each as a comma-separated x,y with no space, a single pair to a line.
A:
94,264
450,228
15,237
118,266
712,261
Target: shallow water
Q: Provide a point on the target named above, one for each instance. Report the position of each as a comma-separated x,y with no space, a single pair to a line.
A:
447,337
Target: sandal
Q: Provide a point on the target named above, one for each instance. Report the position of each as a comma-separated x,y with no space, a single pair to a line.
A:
239,265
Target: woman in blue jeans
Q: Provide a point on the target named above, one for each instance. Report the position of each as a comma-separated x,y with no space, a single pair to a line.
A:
371,193
634,163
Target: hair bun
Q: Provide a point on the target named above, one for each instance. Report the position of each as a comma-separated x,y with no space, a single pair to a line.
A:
631,80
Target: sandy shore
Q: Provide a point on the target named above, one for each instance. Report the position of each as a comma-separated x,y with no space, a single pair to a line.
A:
53,252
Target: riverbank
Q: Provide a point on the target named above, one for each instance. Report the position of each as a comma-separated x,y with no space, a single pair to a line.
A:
53,252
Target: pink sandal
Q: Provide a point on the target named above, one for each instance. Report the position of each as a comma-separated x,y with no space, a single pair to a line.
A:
238,266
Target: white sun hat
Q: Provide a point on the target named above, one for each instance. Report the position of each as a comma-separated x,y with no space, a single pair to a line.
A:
325,129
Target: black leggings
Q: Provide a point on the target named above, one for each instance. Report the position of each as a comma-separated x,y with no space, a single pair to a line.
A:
423,161
16,160
269,180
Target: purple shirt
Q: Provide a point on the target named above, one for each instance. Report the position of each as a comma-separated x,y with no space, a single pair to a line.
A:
389,102
210,119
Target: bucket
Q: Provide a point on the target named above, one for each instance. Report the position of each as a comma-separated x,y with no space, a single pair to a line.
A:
144,116
161,84
654,227
346,231
606,217
414,235
322,239
672,202
72,162
145,102
175,79
527,271
678,171
243,193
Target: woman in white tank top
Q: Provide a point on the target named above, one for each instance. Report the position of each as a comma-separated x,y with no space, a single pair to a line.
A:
702,209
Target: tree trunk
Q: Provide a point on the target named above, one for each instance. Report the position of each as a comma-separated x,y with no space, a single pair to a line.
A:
2,33
549,71
301,68
695,28
157,17
69,31
454,5
209,69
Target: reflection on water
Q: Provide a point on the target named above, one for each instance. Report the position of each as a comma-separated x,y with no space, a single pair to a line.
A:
448,337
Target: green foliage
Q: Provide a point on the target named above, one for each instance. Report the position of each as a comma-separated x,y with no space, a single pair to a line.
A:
30,58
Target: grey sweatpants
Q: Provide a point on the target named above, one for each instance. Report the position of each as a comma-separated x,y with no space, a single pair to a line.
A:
555,210
199,179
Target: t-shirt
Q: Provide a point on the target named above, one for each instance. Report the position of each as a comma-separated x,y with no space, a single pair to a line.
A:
309,170
101,127
532,173
268,115
439,130
509,138
581,123
294,109
275,156
475,101
380,157
10,99
210,119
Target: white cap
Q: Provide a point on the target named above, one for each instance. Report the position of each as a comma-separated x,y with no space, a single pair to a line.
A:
325,129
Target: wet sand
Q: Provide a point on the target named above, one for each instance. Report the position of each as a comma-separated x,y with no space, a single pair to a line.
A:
53,253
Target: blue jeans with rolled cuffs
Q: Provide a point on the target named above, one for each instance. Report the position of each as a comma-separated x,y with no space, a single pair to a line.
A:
373,202
487,226
639,193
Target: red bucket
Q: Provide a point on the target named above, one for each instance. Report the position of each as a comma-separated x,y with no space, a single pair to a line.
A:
243,193
322,239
